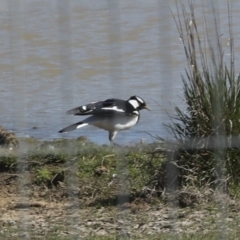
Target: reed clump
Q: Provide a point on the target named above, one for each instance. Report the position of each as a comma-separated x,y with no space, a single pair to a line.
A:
207,130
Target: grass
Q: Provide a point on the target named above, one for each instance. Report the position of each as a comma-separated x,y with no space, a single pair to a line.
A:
233,235
86,173
43,175
84,164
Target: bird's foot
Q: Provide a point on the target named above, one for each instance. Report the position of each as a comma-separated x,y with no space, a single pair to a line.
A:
116,145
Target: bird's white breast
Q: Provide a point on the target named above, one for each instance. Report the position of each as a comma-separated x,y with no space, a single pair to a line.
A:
122,123
117,123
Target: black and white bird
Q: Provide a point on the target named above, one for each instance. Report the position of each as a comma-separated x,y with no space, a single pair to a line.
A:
112,115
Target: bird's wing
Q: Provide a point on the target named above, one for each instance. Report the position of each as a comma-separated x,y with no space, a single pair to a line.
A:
107,107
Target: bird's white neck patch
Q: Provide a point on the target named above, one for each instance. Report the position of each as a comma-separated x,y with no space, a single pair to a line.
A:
134,103
139,99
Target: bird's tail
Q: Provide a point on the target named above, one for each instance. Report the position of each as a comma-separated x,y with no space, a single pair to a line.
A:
73,127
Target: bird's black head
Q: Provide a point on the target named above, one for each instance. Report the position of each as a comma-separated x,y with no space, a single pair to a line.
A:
138,103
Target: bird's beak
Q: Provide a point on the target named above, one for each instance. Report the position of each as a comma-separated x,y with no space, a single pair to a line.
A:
146,107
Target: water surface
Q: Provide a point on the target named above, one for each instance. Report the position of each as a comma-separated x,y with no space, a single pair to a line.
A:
56,55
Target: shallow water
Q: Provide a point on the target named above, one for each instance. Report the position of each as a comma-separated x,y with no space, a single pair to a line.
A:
56,55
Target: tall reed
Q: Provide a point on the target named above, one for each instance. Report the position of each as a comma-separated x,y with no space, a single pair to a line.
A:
207,130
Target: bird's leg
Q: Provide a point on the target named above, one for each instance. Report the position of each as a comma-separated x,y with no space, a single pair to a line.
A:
111,138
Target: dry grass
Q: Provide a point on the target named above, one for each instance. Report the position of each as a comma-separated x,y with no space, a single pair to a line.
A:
7,138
